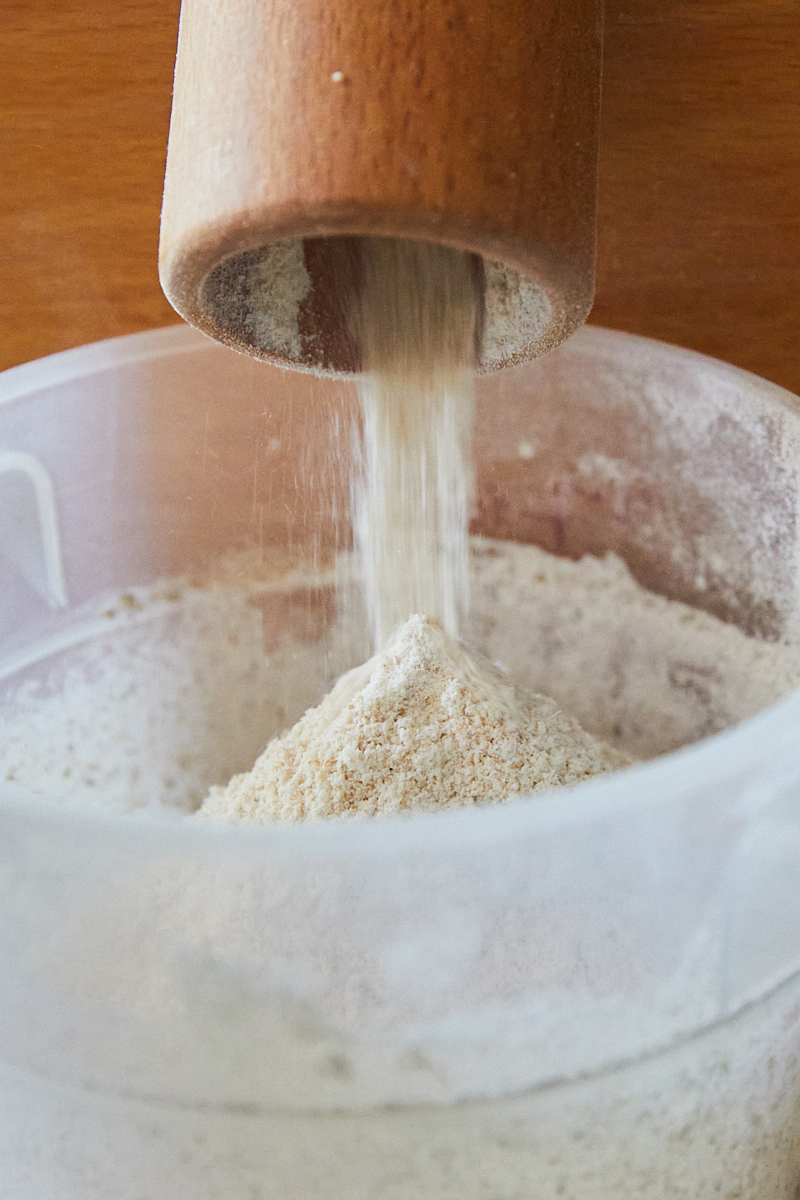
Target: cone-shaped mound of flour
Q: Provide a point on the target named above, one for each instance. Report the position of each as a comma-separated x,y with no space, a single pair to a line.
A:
420,726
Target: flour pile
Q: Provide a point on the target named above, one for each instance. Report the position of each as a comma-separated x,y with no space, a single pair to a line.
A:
421,725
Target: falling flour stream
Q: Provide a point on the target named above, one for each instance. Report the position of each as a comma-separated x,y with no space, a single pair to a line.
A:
414,318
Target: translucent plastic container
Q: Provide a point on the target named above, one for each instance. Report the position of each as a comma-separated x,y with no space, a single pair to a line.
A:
588,994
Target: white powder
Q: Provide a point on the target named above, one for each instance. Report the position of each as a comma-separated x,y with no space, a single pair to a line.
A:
513,304
642,672
423,724
414,319
410,731
180,685
163,691
278,283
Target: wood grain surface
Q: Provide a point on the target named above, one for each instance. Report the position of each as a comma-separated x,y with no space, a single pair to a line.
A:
699,237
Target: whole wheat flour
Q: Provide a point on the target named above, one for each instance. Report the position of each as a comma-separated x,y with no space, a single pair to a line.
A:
415,322
642,672
421,725
173,688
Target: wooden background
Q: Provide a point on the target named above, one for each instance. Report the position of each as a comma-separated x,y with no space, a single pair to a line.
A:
699,236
